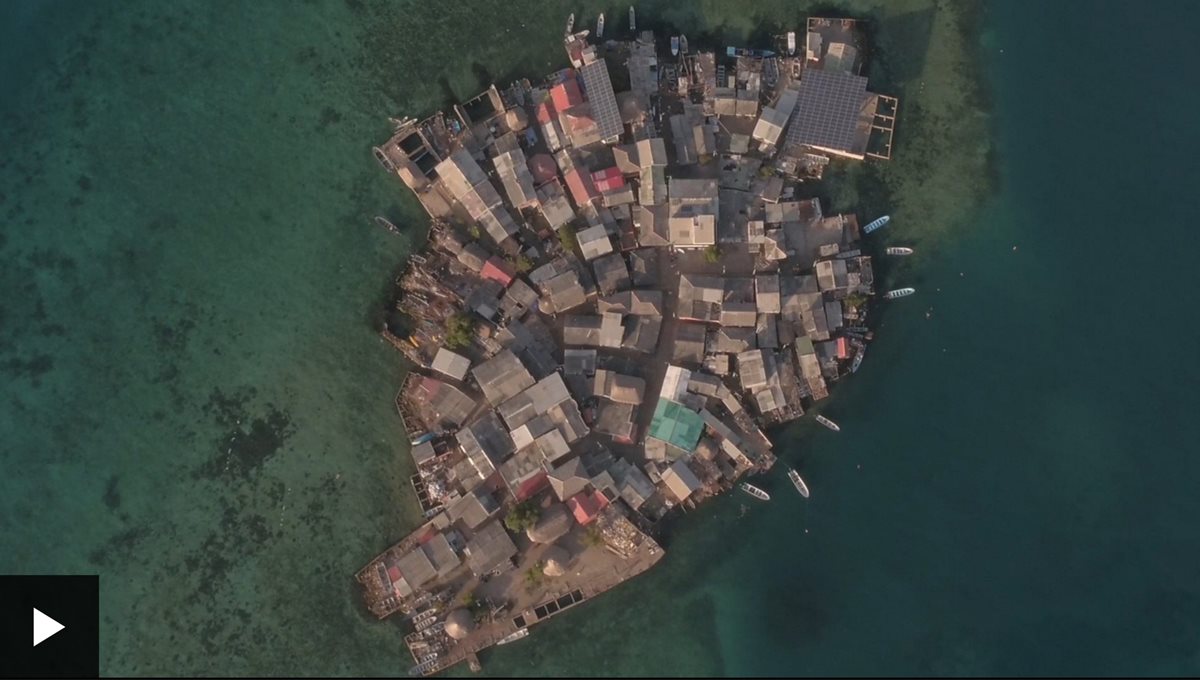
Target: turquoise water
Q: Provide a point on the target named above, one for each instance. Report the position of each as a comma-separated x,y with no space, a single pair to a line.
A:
193,387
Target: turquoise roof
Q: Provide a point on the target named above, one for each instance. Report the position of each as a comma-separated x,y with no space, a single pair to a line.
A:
676,424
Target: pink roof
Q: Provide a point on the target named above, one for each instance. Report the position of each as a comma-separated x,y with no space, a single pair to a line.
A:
843,348
608,179
532,485
580,119
581,186
394,573
566,94
497,270
586,506
431,386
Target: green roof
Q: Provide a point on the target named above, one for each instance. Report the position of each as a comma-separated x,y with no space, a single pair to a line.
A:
676,424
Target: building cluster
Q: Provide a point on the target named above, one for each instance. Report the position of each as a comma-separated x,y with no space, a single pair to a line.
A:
621,290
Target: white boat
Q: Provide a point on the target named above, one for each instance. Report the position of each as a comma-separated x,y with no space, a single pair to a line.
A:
683,44
674,45
798,482
632,19
791,38
877,224
754,491
829,423
899,293
513,637
600,26
570,23
898,250
862,351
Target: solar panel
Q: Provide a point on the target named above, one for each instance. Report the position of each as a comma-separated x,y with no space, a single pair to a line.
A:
827,111
600,94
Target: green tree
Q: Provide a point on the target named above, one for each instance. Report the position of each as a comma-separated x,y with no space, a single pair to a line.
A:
523,264
459,330
566,236
522,516
855,299
534,575
473,230
712,254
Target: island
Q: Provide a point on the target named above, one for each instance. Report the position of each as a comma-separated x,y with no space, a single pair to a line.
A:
622,289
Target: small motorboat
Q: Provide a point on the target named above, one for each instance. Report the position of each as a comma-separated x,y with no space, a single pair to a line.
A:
570,23
898,250
600,26
683,44
858,358
829,423
877,224
754,491
520,633
632,19
386,224
791,42
798,482
899,293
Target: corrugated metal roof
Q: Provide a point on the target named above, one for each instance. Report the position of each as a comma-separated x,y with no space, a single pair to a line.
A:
604,102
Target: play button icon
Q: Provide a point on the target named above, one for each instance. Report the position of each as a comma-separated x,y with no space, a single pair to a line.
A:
43,627
66,626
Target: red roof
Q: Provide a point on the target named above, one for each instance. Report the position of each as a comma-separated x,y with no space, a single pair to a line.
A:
394,573
566,94
609,179
586,506
581,186
546,112
531,486
497,270
843,348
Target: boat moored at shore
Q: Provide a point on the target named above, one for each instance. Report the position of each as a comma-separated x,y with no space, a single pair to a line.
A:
899,293
798,482
674,45
829,423
600,26
898,250
858,359
520,633
754,491
632,19
570,24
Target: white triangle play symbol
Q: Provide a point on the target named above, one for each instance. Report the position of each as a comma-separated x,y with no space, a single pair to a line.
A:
43,627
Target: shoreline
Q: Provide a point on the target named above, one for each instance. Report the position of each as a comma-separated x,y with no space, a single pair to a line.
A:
464,292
